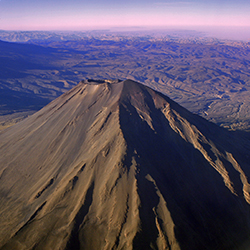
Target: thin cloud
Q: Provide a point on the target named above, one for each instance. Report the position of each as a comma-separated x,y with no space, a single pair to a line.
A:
173,3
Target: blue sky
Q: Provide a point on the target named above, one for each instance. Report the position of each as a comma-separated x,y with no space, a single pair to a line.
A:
79,15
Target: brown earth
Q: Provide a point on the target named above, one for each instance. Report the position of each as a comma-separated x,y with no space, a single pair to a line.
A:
117,165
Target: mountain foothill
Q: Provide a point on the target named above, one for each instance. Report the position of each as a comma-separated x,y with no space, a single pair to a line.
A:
209,77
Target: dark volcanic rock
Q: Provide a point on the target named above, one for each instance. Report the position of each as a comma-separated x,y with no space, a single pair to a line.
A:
117,165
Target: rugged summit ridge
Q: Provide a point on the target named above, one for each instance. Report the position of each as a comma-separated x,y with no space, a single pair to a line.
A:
117,165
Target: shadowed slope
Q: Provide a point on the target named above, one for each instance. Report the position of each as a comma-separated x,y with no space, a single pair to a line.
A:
116,165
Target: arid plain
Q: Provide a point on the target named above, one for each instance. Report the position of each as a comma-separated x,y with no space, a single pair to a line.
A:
209,77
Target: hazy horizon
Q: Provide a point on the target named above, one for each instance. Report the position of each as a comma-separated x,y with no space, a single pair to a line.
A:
219,32
80,15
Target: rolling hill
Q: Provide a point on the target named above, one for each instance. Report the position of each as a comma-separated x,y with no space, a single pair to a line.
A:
208,77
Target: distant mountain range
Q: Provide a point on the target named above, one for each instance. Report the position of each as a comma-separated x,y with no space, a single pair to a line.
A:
166,34
116,165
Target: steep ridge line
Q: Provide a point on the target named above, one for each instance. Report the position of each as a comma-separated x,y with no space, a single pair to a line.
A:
121,167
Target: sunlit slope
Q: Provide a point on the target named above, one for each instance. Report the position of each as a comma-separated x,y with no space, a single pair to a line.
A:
116,165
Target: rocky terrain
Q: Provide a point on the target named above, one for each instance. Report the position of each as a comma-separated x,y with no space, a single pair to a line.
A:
116,165
209,77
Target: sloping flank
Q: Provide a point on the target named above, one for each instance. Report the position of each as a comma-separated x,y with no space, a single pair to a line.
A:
117,165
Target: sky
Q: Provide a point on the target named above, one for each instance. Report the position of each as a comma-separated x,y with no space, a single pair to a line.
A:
100,14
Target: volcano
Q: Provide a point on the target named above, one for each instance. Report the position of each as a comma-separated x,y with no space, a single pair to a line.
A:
117,165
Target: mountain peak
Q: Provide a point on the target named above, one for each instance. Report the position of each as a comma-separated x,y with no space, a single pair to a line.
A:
100,81
114,164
